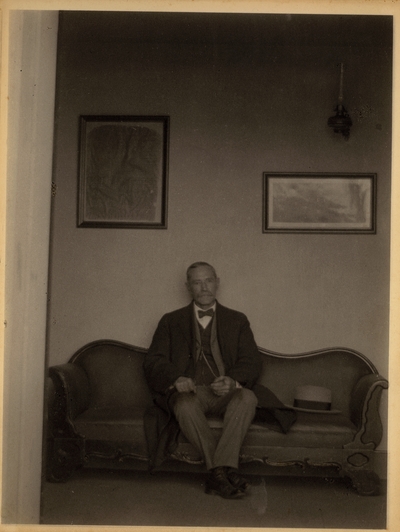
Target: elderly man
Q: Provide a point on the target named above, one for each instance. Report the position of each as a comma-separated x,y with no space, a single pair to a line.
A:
203,361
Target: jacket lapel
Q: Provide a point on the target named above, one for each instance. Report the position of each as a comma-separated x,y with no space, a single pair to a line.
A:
222,328
186,326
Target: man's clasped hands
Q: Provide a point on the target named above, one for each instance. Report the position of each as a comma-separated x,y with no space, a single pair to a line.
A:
220,386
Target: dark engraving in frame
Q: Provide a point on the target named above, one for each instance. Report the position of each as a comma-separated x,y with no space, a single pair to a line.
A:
123,171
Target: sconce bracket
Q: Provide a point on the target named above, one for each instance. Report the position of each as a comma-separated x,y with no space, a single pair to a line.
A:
341,121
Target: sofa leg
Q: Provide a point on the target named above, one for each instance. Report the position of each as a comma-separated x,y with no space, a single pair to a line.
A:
365,482
63,457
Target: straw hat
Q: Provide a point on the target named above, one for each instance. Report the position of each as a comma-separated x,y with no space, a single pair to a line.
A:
315,399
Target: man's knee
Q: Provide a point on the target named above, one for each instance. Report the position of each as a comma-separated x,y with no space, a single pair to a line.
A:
246,398
185,403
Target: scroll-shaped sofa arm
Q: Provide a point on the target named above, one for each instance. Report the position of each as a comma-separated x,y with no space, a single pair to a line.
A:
364,411
72,392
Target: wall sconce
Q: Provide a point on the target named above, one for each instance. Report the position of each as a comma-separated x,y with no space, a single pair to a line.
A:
341,122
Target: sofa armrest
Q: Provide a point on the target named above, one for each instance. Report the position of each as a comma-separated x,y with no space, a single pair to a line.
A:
364,411
72,391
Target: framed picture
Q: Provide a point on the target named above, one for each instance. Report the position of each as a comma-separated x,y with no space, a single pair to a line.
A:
319,203
123,171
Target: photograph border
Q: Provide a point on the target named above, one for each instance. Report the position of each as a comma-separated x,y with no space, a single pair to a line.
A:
325,7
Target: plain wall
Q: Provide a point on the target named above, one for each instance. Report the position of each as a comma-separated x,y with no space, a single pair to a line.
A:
241,101
31,90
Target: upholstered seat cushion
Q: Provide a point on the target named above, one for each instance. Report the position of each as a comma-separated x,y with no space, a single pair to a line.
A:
114,425
309,431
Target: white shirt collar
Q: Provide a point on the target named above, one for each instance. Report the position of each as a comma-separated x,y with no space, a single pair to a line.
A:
205,320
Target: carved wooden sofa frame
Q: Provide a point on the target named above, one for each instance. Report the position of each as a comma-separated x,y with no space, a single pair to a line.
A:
97,400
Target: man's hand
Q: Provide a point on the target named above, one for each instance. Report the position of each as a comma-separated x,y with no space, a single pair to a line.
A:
223,385
185,384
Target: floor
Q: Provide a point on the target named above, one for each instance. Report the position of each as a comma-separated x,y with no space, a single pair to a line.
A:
105,497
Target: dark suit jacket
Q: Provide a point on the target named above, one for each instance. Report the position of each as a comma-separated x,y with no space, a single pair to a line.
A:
171,355
173,350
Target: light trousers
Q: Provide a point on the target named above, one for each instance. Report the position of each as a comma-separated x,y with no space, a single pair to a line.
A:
237,409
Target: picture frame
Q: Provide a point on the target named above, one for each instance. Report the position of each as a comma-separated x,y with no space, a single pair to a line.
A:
319,203
123,171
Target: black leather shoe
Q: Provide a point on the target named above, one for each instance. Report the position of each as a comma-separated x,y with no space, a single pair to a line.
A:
236,480
218,484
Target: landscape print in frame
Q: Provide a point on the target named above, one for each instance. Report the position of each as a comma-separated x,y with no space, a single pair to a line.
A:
319,203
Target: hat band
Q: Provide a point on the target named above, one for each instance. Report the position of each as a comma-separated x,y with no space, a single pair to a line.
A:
312,405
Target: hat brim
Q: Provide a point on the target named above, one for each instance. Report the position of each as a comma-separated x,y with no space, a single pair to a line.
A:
311,411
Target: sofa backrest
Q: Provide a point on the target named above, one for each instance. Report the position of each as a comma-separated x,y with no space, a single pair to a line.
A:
116,375
338,369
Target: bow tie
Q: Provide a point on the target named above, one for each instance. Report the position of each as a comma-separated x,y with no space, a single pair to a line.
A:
209,312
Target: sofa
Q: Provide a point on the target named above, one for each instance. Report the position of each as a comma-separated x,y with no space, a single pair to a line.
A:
97,401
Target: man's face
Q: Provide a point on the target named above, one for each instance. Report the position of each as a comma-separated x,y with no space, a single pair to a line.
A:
203,286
